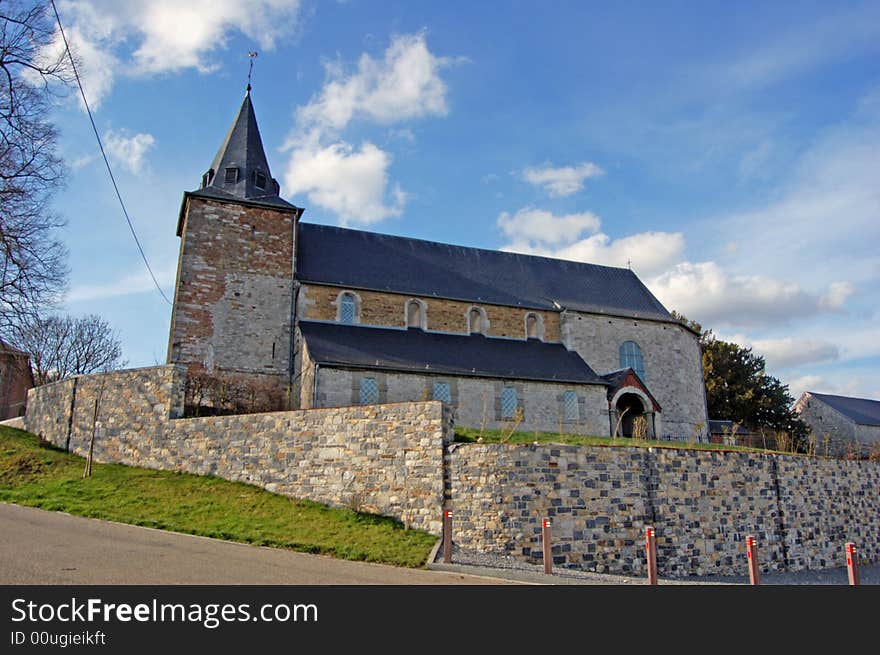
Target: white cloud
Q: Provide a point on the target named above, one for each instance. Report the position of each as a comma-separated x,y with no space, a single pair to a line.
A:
81,162
403,85
842,383
561,181
145,37
793,53
539,232
354,182
129,151
647,253
532,224
351,183
797,385
837,295
788,352
139,282
708,294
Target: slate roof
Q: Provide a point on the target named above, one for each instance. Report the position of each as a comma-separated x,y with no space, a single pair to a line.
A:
860,410
367,260
417,351
242,149
617,379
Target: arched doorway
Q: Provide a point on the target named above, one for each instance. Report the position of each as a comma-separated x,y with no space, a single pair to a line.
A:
629,409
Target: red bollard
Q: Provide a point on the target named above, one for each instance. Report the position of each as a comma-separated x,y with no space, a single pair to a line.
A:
651,552
545,537
752,552
447,536
852,563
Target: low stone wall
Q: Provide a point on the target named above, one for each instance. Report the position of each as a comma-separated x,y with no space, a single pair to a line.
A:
702,505
384,459
398,460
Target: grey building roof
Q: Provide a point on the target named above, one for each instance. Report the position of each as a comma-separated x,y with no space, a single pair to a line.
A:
860,410
616,380
242,151
417,351
367,260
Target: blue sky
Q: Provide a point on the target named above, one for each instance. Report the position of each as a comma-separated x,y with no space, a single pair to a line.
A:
729,152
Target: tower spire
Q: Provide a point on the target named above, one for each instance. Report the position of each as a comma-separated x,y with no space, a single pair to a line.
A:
240,168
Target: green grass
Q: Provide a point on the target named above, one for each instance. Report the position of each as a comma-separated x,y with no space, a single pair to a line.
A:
470,435
42,476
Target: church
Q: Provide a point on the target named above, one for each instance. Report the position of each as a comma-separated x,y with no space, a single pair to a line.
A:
330,316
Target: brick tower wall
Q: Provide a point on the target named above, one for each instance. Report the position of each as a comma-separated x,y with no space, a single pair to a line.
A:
232,304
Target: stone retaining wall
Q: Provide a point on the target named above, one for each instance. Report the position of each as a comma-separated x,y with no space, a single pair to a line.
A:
702,505
389,459
382,459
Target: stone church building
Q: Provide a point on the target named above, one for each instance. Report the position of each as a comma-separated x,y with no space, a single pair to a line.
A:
336,317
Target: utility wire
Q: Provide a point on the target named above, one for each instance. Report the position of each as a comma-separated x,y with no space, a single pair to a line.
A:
104,155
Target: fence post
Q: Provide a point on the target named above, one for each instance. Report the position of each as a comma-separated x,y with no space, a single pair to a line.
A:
852,563
752,553
651,552
447,536
546,538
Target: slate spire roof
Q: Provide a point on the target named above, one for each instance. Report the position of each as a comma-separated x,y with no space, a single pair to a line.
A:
240,170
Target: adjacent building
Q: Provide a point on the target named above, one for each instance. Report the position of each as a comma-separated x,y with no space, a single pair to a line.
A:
15,380
844,423
334,316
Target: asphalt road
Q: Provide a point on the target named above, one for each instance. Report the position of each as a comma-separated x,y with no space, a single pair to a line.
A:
40,547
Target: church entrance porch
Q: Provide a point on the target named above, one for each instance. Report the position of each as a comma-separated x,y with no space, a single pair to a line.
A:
632,419
632,410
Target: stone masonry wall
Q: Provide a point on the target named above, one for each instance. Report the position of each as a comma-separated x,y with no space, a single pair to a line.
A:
318,302
232,308
398,460
702,505
475,401
383,459
673,364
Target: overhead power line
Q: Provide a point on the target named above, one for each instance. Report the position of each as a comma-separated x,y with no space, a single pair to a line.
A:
104,155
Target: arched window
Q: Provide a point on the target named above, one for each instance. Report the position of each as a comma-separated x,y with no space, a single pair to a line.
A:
631,357
534,326
477,322
415,314
347,305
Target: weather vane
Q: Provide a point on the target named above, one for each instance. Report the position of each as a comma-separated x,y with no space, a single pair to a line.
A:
253,54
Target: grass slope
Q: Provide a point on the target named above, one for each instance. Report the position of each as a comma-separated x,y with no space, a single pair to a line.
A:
470,435
43,476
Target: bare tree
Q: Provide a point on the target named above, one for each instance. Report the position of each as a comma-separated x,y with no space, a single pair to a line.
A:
33,70
62,346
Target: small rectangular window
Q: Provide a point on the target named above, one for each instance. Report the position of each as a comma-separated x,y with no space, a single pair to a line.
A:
259,180
442,392
369,391
570,406
508,402
231,175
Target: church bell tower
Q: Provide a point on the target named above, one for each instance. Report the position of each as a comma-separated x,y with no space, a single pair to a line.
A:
233,300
